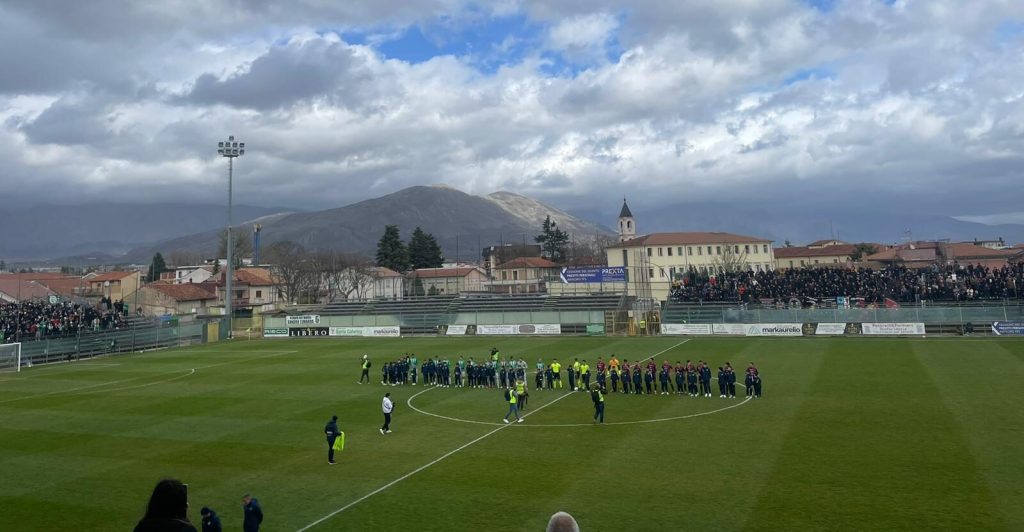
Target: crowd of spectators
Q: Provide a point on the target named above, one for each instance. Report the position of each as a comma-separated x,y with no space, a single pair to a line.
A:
864,286
35,320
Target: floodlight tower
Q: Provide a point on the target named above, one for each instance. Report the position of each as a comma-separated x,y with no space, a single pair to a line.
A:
230,149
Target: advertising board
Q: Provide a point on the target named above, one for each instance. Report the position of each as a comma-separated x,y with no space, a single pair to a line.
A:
309,320
685,328
774,329
893,329
830,329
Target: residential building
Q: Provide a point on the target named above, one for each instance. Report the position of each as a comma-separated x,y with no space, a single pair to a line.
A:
927,254
113,285
14,290
823,253
254,289
375,282
524,275
495,255
445,281
653,261
160,298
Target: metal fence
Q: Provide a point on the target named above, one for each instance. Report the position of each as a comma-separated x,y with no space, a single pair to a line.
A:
927,315
112,342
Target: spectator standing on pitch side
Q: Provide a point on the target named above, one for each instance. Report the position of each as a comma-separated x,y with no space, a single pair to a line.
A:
253,514
331,431
387,406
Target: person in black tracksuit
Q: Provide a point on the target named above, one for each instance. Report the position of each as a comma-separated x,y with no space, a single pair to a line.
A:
253,514
649,381
663,380
756,381
721,382
211,522
637,380
332,432
730,379
705,380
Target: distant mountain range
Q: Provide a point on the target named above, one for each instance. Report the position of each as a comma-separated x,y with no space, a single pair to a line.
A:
107,229
462,223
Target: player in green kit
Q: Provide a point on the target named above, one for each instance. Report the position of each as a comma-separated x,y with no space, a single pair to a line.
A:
413,362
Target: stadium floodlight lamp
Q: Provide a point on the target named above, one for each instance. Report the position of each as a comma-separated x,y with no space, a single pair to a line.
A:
230,149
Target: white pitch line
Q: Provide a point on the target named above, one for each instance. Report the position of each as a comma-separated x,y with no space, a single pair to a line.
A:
190,372
421,468
449,453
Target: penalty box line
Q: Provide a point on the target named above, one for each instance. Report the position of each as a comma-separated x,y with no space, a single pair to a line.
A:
452,452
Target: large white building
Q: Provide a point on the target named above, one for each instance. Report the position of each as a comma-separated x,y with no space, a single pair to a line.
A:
655,260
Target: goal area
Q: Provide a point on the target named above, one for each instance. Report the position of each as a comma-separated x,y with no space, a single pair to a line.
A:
10,357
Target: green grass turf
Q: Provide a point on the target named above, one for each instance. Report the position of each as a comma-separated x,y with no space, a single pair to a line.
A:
866,434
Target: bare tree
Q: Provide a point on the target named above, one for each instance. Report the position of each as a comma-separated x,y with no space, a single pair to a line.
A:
589,249
357,277
184,257
731,261
241,244
290,264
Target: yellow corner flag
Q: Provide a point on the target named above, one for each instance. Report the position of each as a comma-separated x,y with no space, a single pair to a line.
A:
339,442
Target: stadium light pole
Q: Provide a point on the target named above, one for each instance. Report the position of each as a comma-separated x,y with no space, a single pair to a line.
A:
230,149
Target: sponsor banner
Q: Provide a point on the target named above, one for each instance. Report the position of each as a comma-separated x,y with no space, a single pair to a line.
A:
308,331
383,332
542,328
346,331
529,328
275,333
737,329
685,328
456,330
1008,328
830,328
599,274
774,329
595,329
389,331
497,329
893,329
310,320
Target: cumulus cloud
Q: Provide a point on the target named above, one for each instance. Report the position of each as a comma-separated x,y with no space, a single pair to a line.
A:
912,105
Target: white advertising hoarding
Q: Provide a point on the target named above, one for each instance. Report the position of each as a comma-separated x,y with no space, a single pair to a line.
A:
310,320
685,328
529,328
830,329
893,329
774,329
456,330
737,329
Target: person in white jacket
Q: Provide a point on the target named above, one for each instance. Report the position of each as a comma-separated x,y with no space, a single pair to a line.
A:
387,406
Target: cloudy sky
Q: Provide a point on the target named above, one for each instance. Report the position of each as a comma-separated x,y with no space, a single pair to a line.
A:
906,104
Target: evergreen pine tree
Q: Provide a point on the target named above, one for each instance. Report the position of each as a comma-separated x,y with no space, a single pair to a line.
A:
424,252
391,252
157,267
553,241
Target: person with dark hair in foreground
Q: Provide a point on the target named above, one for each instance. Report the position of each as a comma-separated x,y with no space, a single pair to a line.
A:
167,509
211,523
562,522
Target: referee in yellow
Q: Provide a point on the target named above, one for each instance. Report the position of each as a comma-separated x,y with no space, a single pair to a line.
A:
556,372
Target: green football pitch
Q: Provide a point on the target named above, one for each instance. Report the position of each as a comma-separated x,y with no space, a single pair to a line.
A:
851,434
